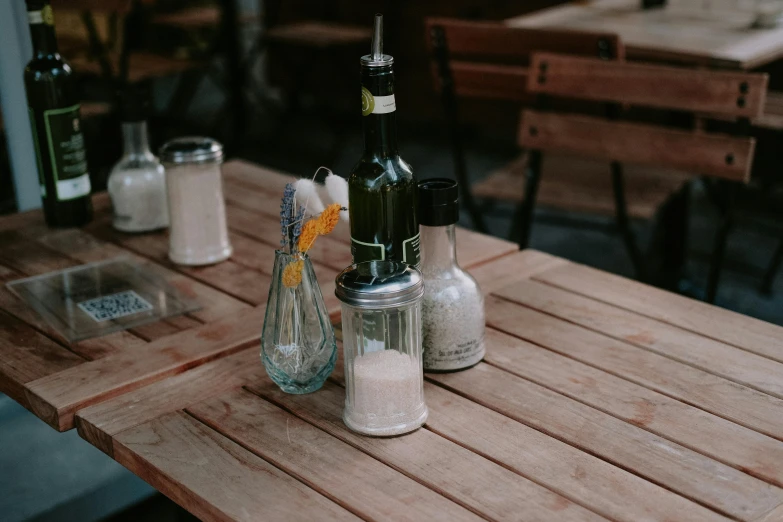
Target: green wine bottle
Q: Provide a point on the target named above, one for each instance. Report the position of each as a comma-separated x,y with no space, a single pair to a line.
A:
54,116
382,190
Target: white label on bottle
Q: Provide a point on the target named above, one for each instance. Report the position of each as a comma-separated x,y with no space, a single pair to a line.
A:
384,104
73,188
34,17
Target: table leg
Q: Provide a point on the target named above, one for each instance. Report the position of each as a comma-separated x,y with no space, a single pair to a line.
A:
232,45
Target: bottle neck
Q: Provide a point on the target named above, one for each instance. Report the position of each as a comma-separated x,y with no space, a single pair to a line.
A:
380,129
42,32
135,142
438,248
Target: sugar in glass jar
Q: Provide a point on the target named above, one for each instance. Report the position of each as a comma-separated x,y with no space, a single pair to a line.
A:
381,320
198,232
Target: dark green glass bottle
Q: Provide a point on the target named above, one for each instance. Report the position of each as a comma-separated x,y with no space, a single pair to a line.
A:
382,189
54,116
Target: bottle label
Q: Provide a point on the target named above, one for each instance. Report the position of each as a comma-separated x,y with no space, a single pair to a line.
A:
44,16
410,251
362,251
34,127
377,104
65,142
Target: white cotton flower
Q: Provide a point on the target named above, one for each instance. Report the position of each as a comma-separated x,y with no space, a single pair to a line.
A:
307,196
337,188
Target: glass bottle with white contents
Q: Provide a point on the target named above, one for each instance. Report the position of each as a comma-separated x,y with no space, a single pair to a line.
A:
137,183
453,305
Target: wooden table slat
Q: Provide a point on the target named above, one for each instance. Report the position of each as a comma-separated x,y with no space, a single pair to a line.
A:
751,334
224,481
584,479
610,490
100,423
56,398
28,355
513,267
730,443
444,466
670,341
367,487
661,461
719,396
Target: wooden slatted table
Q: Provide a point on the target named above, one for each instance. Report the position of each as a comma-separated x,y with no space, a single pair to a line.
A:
54,379
685,31
599,398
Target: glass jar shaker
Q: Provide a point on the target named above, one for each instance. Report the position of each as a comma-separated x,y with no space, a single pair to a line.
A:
453,305
137,183
381,319
198,232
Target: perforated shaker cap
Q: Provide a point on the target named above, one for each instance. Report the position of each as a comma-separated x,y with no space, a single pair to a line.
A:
379,284
191,149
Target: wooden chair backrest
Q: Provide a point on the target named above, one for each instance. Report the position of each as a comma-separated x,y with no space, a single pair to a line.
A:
736,95
490,59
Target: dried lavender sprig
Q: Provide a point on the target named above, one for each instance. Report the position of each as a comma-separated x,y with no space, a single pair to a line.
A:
287,213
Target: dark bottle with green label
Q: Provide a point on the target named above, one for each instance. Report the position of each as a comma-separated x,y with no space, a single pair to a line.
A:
382,189
54,116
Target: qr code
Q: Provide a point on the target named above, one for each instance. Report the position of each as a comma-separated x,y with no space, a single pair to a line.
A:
115,306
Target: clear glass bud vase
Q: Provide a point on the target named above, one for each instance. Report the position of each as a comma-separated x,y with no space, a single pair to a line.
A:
297,345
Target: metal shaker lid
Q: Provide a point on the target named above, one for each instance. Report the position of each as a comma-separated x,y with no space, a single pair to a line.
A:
379,284
191,149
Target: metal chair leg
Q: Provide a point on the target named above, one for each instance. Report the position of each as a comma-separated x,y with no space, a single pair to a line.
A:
523,217
718,254
449,100
621,217
772,270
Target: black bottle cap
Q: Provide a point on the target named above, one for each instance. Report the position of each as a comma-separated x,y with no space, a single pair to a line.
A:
438,202
135,103
36,5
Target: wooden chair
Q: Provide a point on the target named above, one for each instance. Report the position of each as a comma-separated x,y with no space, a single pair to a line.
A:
724,158
488,60
116,56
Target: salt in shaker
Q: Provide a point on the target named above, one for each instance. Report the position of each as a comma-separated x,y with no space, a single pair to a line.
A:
453,305
198,234
137,183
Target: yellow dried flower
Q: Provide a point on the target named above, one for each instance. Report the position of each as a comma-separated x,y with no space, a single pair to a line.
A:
328,219
292,274
308,235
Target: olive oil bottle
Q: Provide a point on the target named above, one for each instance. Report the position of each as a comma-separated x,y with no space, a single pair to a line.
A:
54,117
382,189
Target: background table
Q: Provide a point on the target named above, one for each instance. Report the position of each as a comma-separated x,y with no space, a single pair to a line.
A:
600,398
720,37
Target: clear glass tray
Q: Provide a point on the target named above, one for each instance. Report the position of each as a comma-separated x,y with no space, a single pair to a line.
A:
100,298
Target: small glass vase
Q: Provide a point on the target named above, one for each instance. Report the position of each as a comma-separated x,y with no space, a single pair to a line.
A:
297,344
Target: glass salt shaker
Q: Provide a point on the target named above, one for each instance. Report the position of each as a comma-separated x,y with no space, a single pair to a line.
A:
453,305
137,183
198,233
381,320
